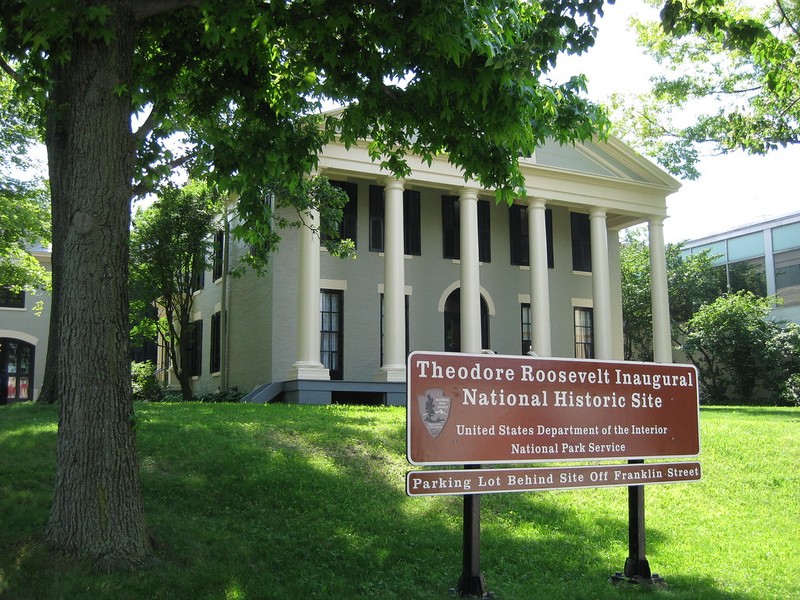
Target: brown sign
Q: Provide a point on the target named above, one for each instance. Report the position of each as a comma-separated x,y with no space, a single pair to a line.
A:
470,409
496,481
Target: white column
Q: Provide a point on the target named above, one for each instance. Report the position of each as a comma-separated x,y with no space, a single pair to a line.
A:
470,275
394,314
308,365
659,295
601,285
540,286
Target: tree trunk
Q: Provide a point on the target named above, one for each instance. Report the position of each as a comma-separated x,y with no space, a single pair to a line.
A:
97,508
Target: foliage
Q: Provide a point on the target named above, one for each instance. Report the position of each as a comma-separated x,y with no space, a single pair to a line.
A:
790,394
734,344
233,93
254,501
171,248
692,280
24,202
736,67
229,395
146,387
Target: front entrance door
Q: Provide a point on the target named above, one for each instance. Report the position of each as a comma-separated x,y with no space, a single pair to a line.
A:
16,370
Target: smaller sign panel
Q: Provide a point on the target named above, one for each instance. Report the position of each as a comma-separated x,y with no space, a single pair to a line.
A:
536,479
492,409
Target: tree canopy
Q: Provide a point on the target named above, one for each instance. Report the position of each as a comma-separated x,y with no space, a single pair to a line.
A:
130,89
730,81
171,248
692,282
24,202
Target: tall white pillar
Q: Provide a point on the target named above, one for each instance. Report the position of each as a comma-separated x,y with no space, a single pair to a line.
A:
540,286
394,314
659,294
470,272
601,285
307,364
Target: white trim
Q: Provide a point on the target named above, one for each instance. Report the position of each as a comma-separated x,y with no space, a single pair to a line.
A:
407,290
490,305
333,284
19,335
582,303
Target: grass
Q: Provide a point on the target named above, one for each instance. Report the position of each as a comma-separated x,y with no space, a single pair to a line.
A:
283,501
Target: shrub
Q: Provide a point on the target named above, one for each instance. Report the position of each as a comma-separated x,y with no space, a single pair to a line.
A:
790,394
230,395
146,387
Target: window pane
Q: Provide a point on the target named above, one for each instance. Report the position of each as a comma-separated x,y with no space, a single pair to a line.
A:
450,239
787,277
525,325
581,242
376,218
412,235
518,234
786,237
746,246
584,336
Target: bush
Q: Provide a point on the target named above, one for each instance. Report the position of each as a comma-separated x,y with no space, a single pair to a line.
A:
743,357
230,395
146,387
790,394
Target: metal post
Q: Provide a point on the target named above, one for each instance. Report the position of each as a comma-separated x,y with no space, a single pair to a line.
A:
471,582
637,569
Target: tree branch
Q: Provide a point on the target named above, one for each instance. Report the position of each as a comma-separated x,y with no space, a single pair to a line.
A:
142,188
148,125
10,71
786,18
151,8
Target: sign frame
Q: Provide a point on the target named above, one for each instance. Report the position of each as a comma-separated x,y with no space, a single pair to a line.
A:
577,399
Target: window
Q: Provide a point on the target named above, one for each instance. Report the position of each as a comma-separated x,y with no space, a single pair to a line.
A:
748,275
584,332
347,226
452,322
16,370
787,277
518,235
332,332
11,299
216,345
526,328
198,275
376,218
412,229
406,332
219,248
581,242
195,348
412,239
451,235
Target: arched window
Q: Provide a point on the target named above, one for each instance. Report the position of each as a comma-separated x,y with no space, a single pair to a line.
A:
16,370
452,322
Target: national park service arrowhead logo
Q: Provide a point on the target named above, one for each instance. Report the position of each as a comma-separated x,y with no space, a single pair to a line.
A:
434,408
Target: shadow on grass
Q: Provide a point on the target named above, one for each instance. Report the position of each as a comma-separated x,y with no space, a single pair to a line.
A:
785,412
279,501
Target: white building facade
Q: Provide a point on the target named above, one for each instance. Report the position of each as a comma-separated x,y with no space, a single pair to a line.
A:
770,249
440,266
24,329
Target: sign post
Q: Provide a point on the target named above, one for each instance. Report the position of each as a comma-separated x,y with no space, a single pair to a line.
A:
470,410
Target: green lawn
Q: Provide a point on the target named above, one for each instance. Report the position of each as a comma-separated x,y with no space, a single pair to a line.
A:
298,502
